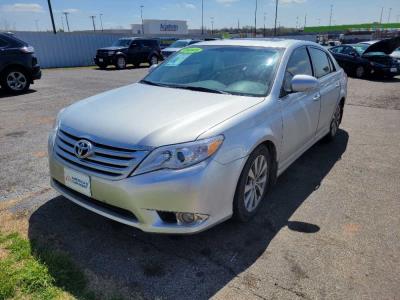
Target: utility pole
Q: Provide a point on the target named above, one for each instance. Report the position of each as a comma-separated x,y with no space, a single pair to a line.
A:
265,17
238,25
202,17
94,25
319,21
390,11
330,16
380,19
52,18
66,18
297,22
101,22
305,21
276,15
255,19
141,16
212,25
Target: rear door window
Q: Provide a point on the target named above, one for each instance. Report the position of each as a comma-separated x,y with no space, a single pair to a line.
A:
3,43
320,62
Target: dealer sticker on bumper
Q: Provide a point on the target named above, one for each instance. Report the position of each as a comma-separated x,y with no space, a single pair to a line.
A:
77,181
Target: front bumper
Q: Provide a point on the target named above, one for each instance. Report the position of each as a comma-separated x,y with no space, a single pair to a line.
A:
36,73
107,60
207,188
386,71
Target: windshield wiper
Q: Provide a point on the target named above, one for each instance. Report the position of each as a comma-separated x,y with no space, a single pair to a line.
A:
200,89
185,87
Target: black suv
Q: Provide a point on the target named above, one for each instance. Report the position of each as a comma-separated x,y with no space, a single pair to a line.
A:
129,51
18,64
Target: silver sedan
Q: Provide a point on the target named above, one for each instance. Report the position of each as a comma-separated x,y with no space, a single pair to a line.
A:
202,137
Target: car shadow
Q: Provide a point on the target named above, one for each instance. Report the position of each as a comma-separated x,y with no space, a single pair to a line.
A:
5,94
184,267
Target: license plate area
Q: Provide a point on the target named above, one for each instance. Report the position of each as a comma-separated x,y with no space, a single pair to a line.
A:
101,60
77,181
394,70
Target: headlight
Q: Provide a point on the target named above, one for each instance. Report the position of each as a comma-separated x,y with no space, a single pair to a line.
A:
110,53
180,156
53,132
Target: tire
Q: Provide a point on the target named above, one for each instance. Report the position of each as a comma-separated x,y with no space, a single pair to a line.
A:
15,81
335,122
153,60
120,64
359,72
250,193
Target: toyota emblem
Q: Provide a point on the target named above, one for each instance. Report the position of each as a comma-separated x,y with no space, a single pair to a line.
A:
83,149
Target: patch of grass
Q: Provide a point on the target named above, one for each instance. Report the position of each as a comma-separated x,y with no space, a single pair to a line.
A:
33,272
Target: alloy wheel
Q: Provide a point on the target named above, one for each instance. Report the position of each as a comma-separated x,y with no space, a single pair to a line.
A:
336,120
16,81
121,62
153,60
255,183
360,72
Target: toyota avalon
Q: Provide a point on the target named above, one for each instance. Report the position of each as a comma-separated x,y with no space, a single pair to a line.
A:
202,138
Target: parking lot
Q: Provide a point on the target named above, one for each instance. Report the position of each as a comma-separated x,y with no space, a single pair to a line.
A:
330,228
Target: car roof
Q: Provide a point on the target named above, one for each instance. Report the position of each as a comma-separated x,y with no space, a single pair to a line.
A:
271,43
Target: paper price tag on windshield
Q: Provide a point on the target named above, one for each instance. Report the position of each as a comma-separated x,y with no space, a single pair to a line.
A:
181,56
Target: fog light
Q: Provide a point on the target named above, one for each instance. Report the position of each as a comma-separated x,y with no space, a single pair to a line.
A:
190,218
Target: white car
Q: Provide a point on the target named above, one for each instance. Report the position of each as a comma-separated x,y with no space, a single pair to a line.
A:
202,137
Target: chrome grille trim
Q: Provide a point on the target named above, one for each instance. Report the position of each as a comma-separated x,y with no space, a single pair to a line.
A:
107,161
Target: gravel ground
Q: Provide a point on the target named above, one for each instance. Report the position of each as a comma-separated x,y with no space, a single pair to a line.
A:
329,230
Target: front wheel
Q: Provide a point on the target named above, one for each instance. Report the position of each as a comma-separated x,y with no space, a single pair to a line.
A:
253,184
360,72
15,81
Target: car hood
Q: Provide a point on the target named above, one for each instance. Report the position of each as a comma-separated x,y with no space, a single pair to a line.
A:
141,114
171,49
113,48
386,46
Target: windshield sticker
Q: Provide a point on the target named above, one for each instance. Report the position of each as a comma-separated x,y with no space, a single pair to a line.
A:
177,59
191,50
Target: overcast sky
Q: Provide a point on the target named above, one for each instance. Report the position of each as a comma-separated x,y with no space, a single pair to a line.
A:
27,15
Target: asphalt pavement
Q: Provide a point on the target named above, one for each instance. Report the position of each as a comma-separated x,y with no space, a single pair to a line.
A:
329,230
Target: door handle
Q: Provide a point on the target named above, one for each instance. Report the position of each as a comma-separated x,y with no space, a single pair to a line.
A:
316,97
337,84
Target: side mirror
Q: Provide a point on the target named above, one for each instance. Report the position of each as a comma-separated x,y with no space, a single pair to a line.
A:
152,67
304,83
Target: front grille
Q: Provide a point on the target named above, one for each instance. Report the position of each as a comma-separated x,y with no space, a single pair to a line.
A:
102,53
106,161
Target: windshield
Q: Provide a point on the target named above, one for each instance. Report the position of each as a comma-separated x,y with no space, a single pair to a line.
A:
122,43
224,69
179,44
360,48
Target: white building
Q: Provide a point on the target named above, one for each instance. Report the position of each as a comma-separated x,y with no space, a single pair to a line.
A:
161,27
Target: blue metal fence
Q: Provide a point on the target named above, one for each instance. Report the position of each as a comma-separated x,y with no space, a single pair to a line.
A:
66,49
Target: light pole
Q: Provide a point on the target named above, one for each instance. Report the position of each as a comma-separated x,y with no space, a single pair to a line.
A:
265,17
305,21
202,17
94,25
62,22
390,11
330,16
212,25
380,19
255,19
66,18
276,15
297,22
141,16
101,22
51,16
